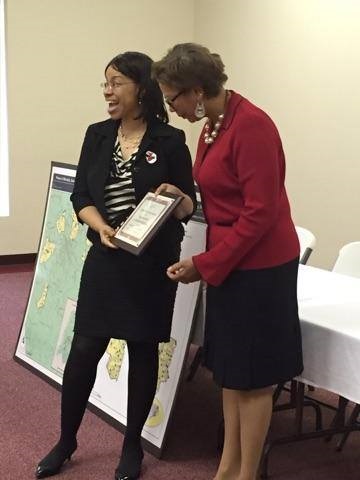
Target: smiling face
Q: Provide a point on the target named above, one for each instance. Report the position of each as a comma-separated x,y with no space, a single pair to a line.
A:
121,94
182,102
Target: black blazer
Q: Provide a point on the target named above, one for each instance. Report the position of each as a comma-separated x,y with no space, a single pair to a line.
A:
173,165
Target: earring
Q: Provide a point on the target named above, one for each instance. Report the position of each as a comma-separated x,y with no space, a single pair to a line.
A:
200,110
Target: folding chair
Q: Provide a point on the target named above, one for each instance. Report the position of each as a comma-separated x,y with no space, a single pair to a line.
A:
307,244
348,263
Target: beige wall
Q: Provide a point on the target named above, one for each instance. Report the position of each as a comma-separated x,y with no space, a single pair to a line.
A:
297,60
57,52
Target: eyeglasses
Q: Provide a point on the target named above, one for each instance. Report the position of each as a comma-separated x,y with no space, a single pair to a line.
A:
170,101
113,85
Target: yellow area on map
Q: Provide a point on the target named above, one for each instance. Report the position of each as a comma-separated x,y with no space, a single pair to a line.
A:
41,302
166,352
156,415
115,350
60,223
48,250
85,252
74,227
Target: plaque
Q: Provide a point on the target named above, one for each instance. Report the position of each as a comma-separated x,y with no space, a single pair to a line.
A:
144,222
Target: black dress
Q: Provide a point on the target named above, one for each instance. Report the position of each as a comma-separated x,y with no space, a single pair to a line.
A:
122,295
252,330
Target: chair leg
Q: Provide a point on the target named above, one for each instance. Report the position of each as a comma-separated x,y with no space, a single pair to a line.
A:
318,414
339,418
352,419
293,393
277,392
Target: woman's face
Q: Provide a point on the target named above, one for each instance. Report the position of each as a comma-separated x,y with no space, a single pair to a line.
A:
121,94
182,102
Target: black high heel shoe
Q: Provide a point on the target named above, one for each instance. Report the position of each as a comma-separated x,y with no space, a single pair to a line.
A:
54,460
129,467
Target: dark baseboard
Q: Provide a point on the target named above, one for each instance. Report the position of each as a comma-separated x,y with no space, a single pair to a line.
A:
17,259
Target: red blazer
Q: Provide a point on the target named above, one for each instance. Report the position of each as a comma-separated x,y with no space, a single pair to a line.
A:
241,181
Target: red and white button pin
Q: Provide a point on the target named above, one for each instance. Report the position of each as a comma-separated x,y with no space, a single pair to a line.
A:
151,157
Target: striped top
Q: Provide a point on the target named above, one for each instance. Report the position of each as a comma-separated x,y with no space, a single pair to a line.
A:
119,194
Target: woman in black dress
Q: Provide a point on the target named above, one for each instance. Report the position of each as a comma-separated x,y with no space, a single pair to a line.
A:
122,295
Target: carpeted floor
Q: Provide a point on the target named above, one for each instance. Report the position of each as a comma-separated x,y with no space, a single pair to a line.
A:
29,422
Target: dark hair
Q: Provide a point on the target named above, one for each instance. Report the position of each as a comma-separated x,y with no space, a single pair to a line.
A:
189,65
137,66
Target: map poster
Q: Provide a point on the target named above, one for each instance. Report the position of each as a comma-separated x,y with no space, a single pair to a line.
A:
47,329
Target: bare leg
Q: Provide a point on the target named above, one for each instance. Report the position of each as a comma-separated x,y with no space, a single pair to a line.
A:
230,462
255,407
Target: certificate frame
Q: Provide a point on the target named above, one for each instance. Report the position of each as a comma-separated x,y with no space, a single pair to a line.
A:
142,225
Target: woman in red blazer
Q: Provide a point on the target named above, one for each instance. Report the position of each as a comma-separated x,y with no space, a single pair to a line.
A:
252,333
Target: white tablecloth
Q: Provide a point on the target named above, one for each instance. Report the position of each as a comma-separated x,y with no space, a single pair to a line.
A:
329,309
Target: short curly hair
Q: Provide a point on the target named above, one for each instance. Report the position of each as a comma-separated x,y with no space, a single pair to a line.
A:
190,65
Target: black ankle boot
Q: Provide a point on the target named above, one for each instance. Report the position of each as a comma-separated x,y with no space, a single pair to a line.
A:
130,463
54,460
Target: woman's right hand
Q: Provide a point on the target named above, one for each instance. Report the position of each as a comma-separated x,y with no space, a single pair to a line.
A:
91,216
106,233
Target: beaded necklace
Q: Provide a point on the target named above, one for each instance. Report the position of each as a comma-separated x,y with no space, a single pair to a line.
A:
209,137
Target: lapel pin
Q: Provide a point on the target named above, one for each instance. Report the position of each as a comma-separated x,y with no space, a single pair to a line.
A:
151,157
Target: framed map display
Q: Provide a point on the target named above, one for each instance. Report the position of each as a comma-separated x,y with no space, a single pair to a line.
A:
47,329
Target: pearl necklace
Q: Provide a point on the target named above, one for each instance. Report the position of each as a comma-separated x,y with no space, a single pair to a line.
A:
210,137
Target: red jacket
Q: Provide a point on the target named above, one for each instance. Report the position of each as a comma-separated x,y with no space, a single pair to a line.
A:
241,180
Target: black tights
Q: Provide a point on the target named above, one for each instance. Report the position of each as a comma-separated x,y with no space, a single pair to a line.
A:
79,378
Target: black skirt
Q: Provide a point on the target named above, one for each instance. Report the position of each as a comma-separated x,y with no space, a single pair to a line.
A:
124,296
252,329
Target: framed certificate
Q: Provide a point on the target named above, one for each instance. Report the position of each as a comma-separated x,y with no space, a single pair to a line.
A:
144,222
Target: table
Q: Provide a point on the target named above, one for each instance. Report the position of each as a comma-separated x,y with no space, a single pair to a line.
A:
329,311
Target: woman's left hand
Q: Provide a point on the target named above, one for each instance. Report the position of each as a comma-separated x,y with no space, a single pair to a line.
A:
186,206
168,187
183,271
